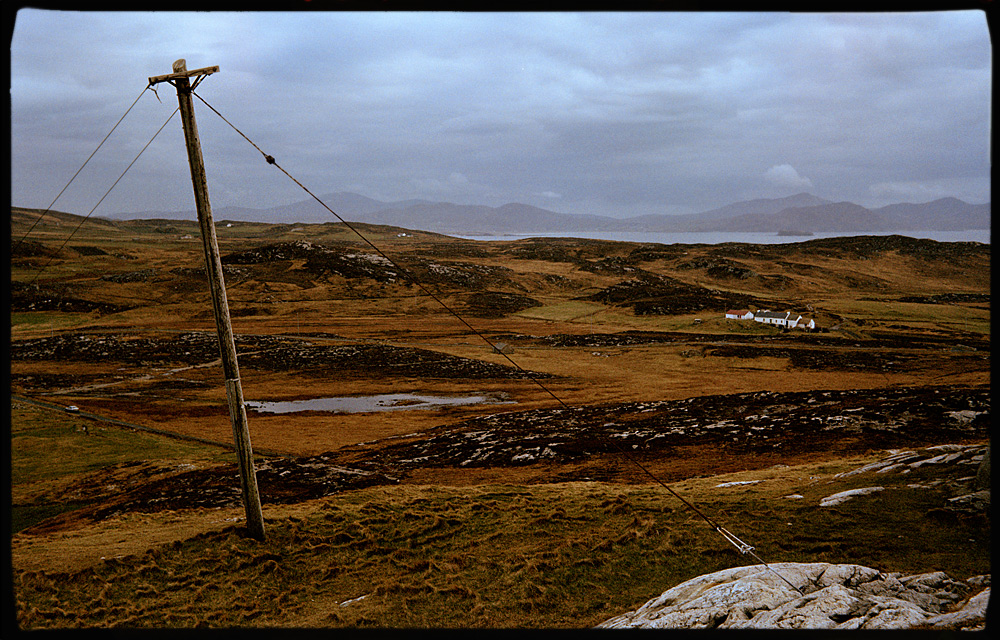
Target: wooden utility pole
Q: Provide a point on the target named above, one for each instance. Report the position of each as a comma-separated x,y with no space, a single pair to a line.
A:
180,78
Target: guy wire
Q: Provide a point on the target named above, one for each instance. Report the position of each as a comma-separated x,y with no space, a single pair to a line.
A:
743,547
87,217
49,208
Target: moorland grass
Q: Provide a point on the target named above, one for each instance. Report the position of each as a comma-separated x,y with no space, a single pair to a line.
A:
509,556
50,449
30,323
565,555
971,318
499,556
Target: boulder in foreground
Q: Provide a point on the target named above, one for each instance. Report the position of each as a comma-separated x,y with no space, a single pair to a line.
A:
836,596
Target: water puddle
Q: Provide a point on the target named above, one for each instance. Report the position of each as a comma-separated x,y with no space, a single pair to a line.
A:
383,402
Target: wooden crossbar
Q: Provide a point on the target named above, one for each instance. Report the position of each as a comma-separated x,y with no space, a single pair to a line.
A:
204,71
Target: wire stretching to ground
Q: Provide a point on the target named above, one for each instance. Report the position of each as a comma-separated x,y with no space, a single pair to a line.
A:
732,539
405,272
59,195
110,189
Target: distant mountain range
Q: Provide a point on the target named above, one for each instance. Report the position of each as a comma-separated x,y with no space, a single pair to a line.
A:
799,214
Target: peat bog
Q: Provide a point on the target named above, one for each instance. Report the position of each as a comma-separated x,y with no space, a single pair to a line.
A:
608,367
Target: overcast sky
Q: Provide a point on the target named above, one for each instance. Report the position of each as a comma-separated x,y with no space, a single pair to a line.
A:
617,114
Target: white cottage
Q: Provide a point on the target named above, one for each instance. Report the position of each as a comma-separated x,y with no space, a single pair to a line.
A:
773,317
784,319
778,318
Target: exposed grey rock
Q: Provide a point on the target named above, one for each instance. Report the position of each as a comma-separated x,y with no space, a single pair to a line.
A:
970,494
971,617
908,460
976,502
979,581
836,596
844,496
893,460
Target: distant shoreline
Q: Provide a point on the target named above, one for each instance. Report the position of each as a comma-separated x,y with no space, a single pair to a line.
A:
720,237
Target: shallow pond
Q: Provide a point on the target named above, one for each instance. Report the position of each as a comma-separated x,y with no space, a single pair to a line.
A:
383,402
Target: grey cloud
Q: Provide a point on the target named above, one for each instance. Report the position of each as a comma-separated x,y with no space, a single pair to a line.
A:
619,113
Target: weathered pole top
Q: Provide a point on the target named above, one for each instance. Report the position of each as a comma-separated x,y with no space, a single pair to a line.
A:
180,71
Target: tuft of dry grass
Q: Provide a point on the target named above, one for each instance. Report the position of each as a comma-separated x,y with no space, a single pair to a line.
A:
562,555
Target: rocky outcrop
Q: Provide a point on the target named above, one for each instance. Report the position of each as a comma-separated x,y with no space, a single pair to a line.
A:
844,496
496,304
264,352
829,596
740,423
959,457
652,294
905,461
32,297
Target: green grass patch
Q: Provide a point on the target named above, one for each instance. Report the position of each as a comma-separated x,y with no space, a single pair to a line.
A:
24,516
48,320
46,444
48,447
968,318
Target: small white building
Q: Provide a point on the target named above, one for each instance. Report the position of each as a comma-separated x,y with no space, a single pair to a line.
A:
773,317
784,319
778,318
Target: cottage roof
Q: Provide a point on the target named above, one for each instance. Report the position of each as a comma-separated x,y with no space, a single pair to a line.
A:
772,314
